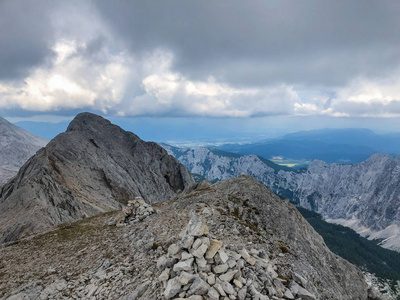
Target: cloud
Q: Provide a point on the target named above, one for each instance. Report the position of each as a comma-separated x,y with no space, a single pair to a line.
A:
71,81
203,58
264,42
25,37
366,98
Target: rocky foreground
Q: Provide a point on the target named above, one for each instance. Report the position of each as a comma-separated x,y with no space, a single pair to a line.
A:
231,240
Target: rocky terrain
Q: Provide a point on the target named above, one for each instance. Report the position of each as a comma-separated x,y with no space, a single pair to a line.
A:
231,240
364,196
16,146
92,168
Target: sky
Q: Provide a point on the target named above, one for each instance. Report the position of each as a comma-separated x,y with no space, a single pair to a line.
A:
227,69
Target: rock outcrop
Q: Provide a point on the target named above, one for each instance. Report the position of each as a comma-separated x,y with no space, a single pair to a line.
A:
16,146
364,196
93,167
233,239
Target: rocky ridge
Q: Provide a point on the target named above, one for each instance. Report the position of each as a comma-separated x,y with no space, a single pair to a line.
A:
230,240
16,146
92,168
364,196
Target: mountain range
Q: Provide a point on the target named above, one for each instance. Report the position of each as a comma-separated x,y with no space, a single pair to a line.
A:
347,146
138,227
364,196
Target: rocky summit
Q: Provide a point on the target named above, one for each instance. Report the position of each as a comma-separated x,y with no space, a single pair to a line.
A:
16,146
92,168
231,240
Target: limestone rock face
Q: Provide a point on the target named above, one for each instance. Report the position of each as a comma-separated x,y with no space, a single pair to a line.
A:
363,196
93,167
16,146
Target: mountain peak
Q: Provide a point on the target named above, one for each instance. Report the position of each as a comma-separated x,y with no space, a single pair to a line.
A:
88,121
92,168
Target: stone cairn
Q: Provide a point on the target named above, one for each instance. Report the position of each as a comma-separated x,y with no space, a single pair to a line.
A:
202,268
136,210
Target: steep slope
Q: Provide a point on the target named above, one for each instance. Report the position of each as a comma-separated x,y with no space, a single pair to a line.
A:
234,238
364,196
16,146
93,167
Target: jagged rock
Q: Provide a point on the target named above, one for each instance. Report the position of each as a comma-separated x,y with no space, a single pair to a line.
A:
222,255
228,276
220,268
242,293
304,294
185,278
199,287
173,288
288,295
164,276
227,287
299,279
174,249
200,251
195,228
214,247
213,294
185,265
139,291
93,167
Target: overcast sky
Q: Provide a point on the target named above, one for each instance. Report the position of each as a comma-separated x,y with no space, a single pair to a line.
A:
201,59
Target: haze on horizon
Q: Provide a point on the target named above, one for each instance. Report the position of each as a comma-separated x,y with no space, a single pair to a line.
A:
207,69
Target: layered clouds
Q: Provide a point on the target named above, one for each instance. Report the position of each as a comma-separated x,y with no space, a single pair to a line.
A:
201,58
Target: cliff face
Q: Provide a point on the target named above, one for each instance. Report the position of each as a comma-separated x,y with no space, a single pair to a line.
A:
364,196
93,167
231,239
16,146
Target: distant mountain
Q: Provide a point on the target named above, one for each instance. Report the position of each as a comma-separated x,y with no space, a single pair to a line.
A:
93,167
364,196
216,165
382,143
16,146
345,146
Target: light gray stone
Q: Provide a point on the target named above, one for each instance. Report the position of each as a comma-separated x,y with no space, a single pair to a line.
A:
228,276
199,287
220,268
185,265
228,288
173,288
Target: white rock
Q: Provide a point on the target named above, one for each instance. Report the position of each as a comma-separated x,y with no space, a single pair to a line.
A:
185,265
228,276
224,258
173,288
220,269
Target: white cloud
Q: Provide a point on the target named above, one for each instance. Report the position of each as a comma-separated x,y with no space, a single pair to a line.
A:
368,98
72,81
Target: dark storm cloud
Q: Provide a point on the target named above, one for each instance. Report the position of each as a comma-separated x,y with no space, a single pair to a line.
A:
25,37
258,42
